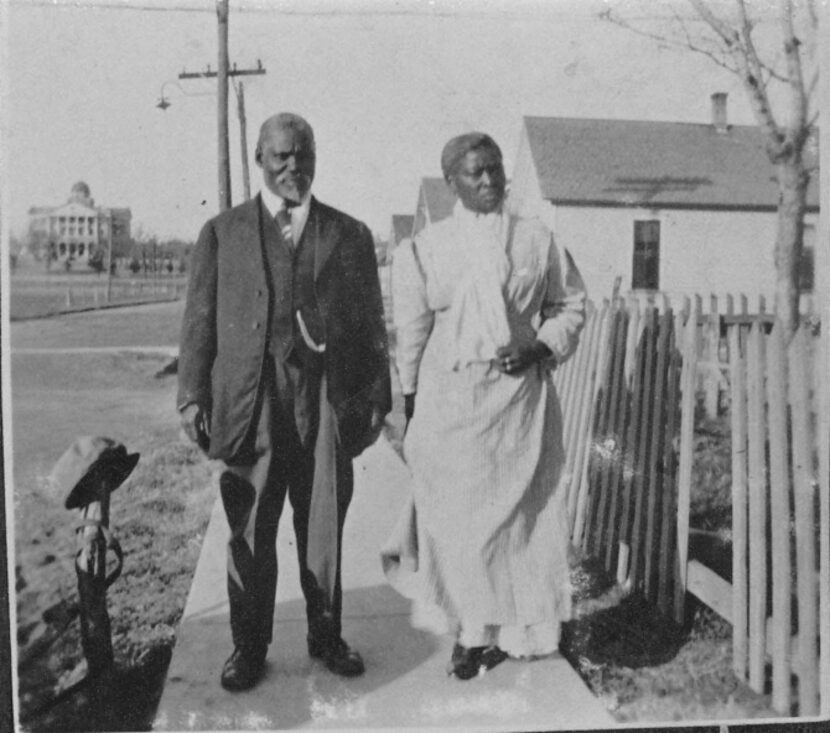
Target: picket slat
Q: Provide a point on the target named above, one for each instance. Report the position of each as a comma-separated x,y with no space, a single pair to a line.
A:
712,340
584,407
667,552
779,519
580,362
688,380
740,567
582,516
600,431
616,444
567,390
657,434
757,508
638,522
824,516
807,667
631,444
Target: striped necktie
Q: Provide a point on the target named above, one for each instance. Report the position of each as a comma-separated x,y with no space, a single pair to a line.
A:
283,219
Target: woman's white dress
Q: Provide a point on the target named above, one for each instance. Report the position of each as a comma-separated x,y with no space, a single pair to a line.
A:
485,448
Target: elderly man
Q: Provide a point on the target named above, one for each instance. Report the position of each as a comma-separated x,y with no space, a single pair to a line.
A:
486,305
283,374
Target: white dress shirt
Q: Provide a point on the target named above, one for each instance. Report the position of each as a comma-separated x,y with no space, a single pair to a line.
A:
298,213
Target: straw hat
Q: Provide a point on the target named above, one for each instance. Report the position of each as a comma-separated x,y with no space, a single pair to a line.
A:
89,463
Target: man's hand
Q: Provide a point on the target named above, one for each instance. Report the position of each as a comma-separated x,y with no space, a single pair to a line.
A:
408,406
196,423
515,359
377,422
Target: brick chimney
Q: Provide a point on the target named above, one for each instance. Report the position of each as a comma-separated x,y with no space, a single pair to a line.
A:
719,112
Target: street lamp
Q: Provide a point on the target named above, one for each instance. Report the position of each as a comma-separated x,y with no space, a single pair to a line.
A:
164,102
239,89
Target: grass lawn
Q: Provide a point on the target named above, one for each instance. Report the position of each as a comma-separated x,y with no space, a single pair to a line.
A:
159,515
36,293
643,667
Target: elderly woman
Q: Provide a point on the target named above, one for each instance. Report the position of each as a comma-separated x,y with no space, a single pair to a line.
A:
485,307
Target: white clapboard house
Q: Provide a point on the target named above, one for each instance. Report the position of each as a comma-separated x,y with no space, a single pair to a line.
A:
674,207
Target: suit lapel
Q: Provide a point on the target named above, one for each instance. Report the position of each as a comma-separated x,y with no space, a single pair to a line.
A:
320,227
249,234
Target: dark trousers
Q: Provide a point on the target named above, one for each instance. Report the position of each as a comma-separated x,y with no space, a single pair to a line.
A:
253,488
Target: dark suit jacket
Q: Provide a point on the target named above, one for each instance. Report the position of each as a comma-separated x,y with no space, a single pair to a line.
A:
225,327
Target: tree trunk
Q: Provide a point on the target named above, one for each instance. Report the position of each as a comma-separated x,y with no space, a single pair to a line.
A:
792,182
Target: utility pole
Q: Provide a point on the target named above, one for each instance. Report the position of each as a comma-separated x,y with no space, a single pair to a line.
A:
222,106
222,75
243,138
109,257
822,283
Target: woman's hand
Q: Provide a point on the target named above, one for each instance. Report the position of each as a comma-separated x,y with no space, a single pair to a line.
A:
515,359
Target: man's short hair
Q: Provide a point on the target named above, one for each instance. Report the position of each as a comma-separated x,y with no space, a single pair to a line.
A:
287,121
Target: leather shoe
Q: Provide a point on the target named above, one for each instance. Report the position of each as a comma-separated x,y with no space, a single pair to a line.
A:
469,662
336,655
244,668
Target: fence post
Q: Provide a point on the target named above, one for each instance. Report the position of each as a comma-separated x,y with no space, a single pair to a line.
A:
805,527
757,507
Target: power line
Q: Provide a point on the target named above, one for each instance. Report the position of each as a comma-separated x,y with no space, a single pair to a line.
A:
536,14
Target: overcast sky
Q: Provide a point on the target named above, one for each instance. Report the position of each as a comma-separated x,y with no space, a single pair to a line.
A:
384,85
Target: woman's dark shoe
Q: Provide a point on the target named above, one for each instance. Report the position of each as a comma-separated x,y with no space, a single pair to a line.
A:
244,668
336,655
492,656
465,662
468,662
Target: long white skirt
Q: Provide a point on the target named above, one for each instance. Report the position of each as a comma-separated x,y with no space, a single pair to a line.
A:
485,452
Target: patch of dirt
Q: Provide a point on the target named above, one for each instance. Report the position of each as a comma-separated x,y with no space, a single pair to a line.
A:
159,516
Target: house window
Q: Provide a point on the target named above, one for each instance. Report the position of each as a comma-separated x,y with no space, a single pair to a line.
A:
807,263
646,265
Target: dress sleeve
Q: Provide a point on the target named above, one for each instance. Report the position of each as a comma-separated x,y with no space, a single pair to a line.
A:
563,307
412,315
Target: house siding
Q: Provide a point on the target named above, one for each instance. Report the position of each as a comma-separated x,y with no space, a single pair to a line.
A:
701,252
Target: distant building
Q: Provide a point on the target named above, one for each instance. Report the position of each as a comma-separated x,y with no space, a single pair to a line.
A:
401,229
435,202
78,229
672,207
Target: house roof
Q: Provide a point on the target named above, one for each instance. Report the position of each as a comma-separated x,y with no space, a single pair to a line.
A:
73,208
438,198
401,227
654,164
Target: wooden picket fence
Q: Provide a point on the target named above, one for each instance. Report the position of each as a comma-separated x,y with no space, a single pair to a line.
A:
622,394
628,399
775,524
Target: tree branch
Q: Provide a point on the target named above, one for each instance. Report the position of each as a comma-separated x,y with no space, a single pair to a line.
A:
813,14
743,52
687,45
798,101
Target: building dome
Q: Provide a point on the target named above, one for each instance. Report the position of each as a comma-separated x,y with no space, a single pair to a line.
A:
80,193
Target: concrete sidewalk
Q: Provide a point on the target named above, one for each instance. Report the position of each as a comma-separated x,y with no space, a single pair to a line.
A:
405,685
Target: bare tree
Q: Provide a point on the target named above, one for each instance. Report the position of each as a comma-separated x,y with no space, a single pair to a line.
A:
772,48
